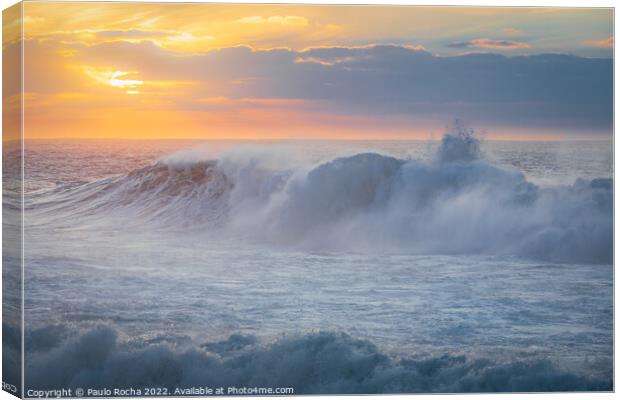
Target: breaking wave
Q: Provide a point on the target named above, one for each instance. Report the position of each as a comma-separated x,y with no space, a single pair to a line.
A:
315,363
456,204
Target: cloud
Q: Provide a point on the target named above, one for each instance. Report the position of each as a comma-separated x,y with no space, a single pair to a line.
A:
607,43
134,34
332,55
381,57
489,44
550,91
275,19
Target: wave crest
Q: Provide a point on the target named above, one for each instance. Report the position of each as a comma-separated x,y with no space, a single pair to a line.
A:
371,202
171,194
458,204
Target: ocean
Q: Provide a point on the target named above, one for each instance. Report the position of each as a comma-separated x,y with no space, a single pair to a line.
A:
325,266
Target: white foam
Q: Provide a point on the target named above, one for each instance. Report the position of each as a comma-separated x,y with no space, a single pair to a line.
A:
457,203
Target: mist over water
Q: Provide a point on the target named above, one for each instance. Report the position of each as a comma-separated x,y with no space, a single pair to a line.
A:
367,267
454,203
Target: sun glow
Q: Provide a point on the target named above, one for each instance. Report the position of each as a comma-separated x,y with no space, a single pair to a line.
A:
114,78
153,70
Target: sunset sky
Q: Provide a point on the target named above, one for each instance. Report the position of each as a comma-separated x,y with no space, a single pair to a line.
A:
122,70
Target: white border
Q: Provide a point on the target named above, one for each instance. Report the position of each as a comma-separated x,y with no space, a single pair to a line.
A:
488,3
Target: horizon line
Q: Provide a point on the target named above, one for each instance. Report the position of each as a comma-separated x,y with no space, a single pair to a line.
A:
483,139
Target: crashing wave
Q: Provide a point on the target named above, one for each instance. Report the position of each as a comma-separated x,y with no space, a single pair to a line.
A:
315,363
457,204
172,194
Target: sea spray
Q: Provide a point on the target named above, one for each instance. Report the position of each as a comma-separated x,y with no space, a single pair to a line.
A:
458,203
459,143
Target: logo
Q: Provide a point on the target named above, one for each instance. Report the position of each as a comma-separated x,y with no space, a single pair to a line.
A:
9,388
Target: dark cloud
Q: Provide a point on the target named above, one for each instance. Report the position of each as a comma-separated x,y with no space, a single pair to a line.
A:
489,44
537,91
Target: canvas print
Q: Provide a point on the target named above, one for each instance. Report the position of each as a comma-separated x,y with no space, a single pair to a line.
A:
235,199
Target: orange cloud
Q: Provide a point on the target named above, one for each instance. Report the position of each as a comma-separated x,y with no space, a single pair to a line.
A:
205,70
275,19
607,43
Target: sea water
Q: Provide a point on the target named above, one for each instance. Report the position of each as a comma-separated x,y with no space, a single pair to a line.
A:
330,267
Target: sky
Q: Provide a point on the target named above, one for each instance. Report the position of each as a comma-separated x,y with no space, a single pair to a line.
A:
208,71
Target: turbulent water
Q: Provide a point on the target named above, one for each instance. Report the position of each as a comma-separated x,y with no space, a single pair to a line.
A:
329,267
